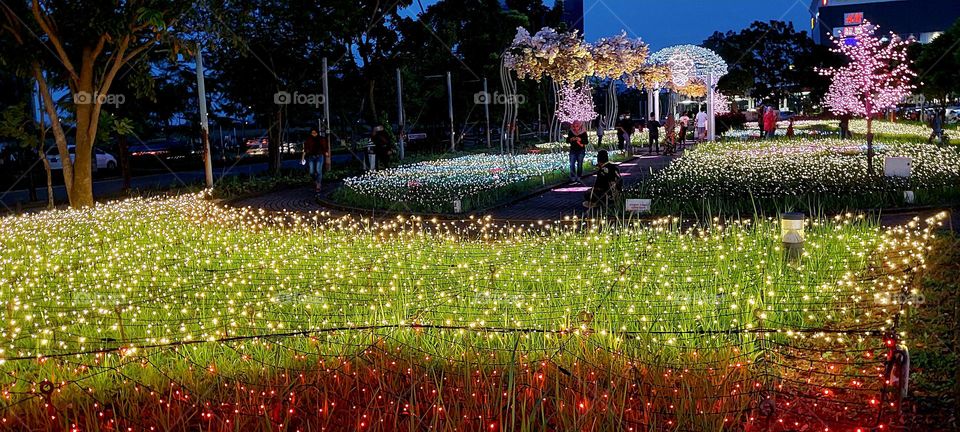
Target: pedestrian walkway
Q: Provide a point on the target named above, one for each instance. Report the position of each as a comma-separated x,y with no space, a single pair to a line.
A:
564,200
567,200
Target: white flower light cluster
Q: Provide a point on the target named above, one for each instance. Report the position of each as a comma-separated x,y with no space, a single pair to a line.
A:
442,181
799,167
690,63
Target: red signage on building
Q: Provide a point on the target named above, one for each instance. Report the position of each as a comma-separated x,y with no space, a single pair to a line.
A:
853,18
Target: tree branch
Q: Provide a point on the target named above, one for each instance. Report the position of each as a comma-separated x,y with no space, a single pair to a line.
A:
54,38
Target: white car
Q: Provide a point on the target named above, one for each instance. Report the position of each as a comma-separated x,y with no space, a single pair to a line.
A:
102,160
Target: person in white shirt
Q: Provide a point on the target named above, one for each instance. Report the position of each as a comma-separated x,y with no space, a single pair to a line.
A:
701,126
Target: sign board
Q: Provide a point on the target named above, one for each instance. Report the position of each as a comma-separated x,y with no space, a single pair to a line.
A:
897,166
416,136
641,205
457,206
853,18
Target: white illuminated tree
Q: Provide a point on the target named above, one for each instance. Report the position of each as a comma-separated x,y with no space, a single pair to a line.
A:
877,77
576,104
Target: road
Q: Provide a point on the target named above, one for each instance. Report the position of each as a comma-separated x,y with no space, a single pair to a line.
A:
113,186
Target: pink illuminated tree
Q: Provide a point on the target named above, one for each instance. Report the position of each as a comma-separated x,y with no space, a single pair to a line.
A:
576,103
877,77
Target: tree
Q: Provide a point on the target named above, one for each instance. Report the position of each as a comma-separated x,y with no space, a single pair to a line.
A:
938,62
82,47
770,60
877,77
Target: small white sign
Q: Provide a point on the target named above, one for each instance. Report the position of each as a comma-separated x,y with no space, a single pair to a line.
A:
897,166
457,206
641,205
909,197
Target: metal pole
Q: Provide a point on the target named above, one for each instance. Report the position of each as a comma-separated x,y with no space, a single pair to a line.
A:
486,109
711,121
326,98
453,142
401,121
204,127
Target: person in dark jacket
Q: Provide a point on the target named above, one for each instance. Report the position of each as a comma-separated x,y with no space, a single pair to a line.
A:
625,130
382,146
653,133
609,182
578,140
316,150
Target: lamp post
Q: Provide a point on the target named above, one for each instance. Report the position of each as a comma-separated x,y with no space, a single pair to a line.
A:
453,141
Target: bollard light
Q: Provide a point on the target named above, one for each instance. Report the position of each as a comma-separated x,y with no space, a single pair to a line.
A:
791,228
791,233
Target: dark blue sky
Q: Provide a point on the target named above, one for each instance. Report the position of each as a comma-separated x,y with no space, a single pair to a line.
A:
663,23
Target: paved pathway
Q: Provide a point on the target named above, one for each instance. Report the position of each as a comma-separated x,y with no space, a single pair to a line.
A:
567,200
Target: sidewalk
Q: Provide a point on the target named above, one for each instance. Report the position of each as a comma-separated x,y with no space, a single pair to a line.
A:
567,200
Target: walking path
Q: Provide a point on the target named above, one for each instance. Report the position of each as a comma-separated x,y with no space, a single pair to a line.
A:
554,204
564,200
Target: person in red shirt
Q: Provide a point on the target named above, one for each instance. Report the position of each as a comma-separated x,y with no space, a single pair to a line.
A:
770,123
578,140
316,149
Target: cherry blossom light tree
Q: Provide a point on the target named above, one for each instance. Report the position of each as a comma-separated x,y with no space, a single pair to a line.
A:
877,77
576,104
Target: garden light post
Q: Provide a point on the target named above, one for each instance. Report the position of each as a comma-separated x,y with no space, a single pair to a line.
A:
453,141
486,110
401,120
326,98
791,234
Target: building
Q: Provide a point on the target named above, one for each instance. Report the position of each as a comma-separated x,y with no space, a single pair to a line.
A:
572,14
922,19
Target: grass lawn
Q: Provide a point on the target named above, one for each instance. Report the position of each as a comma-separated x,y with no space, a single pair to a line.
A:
180,314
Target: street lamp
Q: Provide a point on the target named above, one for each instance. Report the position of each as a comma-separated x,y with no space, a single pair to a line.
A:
453,141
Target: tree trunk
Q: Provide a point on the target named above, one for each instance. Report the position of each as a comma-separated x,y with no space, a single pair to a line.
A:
124,162
870,145
46,168
371,90
273,147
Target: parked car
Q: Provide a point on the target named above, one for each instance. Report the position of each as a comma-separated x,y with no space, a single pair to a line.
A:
163,148
101,160
257,147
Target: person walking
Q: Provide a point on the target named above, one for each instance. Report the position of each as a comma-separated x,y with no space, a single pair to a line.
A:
936,126
625,129
653,133
770,123
701,126
316,151
382,146
684,124
670,127
578,140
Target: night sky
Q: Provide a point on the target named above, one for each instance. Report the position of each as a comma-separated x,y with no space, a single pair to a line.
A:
662,23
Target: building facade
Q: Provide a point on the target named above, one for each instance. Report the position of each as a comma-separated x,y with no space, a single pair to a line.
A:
922,19
573,14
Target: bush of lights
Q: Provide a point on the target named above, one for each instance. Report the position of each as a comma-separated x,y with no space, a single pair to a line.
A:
799,167
435,185
900,130
181,314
